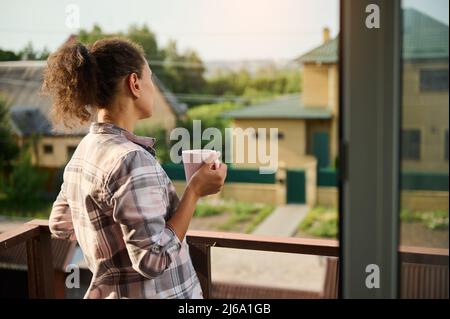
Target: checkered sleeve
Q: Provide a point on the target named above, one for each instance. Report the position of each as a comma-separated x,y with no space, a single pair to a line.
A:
60,221
138,195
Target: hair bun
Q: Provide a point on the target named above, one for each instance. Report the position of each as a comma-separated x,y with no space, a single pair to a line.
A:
84,51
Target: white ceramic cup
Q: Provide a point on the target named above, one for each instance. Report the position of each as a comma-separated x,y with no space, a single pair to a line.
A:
193,160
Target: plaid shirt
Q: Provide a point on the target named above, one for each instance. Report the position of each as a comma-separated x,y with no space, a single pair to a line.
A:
115,201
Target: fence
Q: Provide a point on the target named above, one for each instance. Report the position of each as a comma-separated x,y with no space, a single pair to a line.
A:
234,175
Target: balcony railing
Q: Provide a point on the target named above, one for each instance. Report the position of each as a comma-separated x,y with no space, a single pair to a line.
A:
37,236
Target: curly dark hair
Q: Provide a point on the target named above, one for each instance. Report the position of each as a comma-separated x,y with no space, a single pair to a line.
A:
80,78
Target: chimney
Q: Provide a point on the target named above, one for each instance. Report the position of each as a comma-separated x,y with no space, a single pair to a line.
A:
326,34
72,39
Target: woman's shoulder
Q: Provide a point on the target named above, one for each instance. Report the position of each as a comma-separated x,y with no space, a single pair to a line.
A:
113,147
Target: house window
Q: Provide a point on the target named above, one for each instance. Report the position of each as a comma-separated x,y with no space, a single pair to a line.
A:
434,80
70,151
411,144
48,149
280,135
446,145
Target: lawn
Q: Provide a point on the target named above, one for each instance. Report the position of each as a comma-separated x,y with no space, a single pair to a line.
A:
418,228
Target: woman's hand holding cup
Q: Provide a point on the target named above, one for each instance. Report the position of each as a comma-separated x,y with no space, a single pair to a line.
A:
209,178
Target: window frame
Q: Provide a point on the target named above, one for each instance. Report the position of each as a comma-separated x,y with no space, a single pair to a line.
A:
429,88
421,135
46,147
369,141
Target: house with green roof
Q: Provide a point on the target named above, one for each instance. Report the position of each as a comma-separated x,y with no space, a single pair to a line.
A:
308,121
304,121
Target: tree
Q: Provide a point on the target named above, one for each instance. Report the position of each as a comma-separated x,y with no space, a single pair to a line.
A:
6,55
25,182
89,37
182,72
192,80
28,52
8,146
168,62
147,39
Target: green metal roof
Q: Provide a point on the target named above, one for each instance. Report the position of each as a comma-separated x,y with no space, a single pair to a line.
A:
284,107
326,53
424,38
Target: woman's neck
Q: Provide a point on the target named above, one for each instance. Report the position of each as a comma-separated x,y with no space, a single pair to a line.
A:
120,120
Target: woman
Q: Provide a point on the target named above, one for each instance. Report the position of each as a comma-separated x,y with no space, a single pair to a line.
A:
116,200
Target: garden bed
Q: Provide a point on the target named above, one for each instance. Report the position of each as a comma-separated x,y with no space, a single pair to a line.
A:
426,229
227,215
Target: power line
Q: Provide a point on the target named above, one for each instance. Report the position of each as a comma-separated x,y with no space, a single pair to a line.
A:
206,97
186,33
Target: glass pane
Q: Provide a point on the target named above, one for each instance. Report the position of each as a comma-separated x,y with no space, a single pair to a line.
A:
270,67
424,157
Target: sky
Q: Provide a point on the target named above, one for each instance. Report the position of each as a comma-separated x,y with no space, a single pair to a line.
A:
217,29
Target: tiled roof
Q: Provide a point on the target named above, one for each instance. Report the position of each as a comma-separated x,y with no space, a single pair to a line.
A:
326,53
28,120
20,82
285,107
424,38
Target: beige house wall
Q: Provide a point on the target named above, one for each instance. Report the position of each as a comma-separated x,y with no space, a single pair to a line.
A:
291,148
59,157
412,200
321,89
422,110
327,196
315,89
334,104
424,200
427,112
247,192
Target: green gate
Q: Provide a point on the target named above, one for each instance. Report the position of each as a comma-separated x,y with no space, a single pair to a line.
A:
321,146
295,187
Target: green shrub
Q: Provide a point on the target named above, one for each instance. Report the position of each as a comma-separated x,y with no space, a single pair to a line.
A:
25,183
437,219
238,212
205,209
321,222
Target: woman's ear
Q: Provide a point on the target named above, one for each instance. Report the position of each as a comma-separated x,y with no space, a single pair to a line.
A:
134,85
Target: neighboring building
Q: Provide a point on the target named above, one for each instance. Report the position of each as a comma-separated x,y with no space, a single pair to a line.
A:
20,82
308,122
297,125
425,87
425,98
320,90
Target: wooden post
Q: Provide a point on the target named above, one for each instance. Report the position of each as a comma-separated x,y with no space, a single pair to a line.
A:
201,259
40,267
